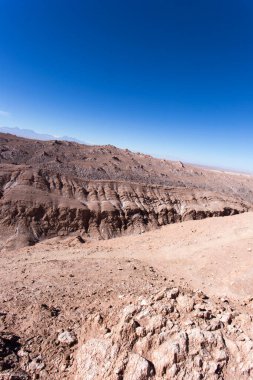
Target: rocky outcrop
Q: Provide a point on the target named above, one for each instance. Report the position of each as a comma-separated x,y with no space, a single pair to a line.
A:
176,334
35,205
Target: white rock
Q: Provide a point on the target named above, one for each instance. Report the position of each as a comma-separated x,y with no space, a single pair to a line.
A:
67,337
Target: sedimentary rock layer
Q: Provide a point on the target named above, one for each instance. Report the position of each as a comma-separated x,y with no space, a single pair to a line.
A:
35,205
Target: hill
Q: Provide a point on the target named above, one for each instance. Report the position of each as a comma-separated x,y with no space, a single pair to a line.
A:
51,188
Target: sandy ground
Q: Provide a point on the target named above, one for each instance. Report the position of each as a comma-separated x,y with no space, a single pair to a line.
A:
214,255
55,285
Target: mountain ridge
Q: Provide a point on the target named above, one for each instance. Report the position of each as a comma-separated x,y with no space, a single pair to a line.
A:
30,134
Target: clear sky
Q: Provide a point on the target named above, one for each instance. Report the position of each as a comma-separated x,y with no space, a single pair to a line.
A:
173,78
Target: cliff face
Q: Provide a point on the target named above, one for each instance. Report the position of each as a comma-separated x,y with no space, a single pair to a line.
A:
35,205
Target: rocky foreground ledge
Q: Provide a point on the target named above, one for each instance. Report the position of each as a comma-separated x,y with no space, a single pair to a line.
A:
174,334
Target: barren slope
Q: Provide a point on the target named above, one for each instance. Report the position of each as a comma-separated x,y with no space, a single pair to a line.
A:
57,188
110,163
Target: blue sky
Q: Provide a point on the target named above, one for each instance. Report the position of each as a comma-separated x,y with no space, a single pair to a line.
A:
170,78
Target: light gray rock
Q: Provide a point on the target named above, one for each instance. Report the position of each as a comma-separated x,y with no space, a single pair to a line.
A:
94,359
138,368
67,338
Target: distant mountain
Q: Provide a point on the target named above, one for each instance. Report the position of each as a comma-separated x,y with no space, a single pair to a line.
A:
30,134
72,139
